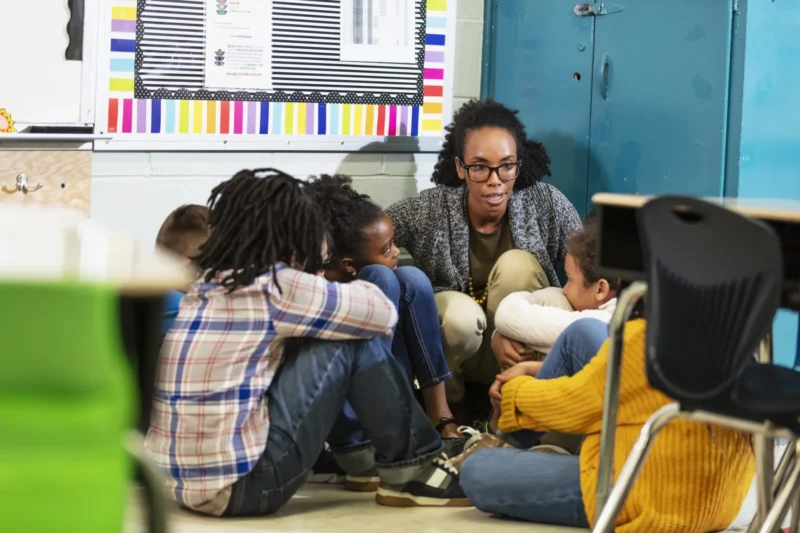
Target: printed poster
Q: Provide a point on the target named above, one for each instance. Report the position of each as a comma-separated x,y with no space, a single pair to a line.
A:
378,31
238,46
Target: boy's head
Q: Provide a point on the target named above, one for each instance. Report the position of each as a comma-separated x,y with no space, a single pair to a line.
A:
585,289
185,230
261,218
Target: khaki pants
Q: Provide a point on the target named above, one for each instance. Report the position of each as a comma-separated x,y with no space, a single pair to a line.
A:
467,329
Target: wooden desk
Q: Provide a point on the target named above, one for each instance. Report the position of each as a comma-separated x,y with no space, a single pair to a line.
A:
620,253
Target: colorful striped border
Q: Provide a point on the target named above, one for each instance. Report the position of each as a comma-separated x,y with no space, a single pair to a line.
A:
127,115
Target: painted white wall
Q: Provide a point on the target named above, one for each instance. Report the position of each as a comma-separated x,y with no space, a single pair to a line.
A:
135,191
37,84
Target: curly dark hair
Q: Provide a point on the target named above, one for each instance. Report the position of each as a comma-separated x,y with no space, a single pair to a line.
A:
582,245
346,213
260,218
482,114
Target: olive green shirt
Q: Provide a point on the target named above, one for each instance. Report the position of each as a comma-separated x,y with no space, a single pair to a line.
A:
484,251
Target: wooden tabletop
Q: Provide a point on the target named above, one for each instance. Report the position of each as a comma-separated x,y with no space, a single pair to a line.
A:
764,209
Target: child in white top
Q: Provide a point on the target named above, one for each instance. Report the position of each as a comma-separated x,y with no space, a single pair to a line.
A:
528,323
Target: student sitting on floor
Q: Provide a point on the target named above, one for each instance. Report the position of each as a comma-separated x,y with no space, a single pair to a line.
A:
363,239
695,478
528,323
183,232
254,374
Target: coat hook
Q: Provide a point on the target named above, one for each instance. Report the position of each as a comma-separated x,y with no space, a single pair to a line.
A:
22,184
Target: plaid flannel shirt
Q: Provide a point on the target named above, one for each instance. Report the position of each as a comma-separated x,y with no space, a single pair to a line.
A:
210,416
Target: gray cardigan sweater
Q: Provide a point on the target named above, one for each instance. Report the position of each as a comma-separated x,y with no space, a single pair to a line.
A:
434,228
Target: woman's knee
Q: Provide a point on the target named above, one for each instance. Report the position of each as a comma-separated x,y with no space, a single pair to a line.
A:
517,270
462,321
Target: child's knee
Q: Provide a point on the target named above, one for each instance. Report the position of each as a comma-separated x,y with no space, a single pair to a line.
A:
413,278
382,277
587,329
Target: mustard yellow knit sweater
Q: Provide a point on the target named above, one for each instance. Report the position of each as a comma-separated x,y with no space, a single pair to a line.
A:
696,476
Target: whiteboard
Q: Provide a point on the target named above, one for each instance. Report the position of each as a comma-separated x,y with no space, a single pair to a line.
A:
37,84
274,74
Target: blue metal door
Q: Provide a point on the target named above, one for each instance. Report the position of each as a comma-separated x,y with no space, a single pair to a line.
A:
660,97
540,62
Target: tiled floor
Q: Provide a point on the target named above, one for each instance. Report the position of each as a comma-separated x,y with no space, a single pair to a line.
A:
331,509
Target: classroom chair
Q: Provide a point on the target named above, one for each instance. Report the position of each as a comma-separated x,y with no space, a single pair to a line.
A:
714,286
67,409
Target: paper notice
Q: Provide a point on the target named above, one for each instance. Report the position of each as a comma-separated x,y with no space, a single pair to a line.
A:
378,31
238,46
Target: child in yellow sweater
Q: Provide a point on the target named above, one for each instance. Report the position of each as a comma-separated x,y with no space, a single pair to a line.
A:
695,478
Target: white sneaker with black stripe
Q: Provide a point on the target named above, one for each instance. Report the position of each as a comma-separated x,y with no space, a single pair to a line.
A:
436,485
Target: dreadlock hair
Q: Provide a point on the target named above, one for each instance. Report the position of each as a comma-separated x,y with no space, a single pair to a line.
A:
346,213
260,218
477,114
184,229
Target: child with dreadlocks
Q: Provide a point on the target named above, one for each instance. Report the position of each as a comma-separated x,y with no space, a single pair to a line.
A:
364,249
254,375
183,232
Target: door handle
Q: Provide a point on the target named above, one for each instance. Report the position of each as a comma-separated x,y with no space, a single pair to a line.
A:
605,69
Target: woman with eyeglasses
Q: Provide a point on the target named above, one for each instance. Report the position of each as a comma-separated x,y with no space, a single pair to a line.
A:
489,228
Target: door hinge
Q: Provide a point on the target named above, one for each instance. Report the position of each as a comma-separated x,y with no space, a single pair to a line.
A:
597,9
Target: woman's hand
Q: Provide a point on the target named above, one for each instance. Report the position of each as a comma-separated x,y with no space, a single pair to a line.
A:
507,352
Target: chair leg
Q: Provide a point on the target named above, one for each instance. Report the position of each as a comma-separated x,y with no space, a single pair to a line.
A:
605,468
784,468
787,496
156,506
764,448
795,525
633,465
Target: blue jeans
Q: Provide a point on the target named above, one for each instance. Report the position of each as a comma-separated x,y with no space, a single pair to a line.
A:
537,487
306,403
417,342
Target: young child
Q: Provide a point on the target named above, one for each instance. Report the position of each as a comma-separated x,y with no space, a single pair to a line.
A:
183,232
528,323
696,476
254,374
363,241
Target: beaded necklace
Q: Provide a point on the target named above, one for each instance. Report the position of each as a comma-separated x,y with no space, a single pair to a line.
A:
480,301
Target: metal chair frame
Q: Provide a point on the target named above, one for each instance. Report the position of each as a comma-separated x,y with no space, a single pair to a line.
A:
776,489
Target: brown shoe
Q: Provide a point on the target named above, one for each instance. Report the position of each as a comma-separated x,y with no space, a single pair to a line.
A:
476,441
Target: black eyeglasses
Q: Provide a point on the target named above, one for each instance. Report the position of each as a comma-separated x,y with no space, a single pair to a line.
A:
480,172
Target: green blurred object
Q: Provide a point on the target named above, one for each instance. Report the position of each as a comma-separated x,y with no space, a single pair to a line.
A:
66,404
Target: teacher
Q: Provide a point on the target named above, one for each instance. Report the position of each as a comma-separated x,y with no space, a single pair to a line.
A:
488,228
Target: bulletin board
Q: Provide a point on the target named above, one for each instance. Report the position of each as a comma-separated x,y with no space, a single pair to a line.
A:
275,74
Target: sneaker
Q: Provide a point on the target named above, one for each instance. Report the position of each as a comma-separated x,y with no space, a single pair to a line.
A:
436,485
365,483
476,441
326,470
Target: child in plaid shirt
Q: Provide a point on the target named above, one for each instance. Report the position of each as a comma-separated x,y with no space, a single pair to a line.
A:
267,360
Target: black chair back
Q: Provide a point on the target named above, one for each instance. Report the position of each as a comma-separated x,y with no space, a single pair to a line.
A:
714,286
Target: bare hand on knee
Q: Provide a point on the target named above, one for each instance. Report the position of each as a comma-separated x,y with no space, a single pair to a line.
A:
508,352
